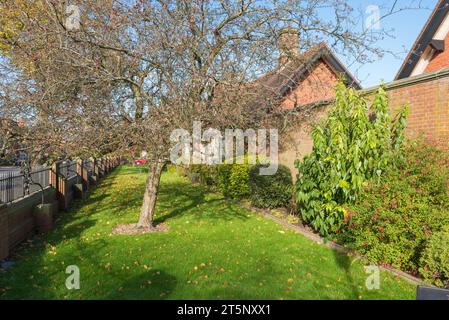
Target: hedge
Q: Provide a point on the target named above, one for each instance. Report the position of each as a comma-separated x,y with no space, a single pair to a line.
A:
271,191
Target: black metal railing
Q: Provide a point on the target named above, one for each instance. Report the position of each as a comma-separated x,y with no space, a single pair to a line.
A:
14,185
40,178
67,169
21,182
11,187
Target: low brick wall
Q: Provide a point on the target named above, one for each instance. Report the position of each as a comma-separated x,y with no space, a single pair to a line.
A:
21,222
4,233
17,221
68,192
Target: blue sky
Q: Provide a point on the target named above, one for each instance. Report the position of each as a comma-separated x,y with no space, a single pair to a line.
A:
406,27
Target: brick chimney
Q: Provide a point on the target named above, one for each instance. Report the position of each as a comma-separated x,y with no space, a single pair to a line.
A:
288,43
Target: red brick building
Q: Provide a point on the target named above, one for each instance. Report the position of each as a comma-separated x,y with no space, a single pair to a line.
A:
423,79
422,83
430,52
304,78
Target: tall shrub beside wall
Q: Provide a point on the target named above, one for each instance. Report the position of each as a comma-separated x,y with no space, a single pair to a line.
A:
353,145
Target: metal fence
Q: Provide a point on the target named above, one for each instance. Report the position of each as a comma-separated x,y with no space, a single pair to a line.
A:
11,187
41,177
14,186
67,169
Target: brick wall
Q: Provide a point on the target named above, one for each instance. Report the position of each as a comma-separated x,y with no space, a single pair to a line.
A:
428,98
20,216
4,237
317,85
440,60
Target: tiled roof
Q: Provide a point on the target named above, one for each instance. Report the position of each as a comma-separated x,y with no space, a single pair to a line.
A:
284,78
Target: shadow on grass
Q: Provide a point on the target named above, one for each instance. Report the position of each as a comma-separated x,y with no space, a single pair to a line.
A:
175,199
344,262
208,205
151,285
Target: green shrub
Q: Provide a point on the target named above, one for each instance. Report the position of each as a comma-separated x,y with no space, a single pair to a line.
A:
224,174
233,179
203,174
171,168
435,259
230,179
239,181
391,221
350,148
271,191
182,171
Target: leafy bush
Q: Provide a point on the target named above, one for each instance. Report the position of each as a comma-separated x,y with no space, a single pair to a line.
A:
392,221
271,191
171,168
224,174
233,179
350,148
203,174
239,181
435,259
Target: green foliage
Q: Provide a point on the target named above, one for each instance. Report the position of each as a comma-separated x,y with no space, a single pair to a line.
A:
171,168
224,174
271,191
239,181
392,221
435,259
233,179
351,147
203,174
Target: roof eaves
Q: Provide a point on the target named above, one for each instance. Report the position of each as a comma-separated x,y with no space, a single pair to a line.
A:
425,37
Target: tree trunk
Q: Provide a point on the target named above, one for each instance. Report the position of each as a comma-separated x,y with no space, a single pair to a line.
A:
150,197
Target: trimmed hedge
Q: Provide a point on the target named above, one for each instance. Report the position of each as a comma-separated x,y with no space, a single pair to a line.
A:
242,181
271,191
224,174
203,174
233,180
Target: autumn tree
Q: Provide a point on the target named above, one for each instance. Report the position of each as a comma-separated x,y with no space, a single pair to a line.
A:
112,76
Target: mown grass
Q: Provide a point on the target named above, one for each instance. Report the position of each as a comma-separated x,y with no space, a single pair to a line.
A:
214,249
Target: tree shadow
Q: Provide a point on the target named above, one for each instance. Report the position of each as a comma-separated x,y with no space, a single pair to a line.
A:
175,198
344,262
209,205
151,285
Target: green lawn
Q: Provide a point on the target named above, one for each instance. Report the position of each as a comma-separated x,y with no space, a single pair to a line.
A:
214,249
